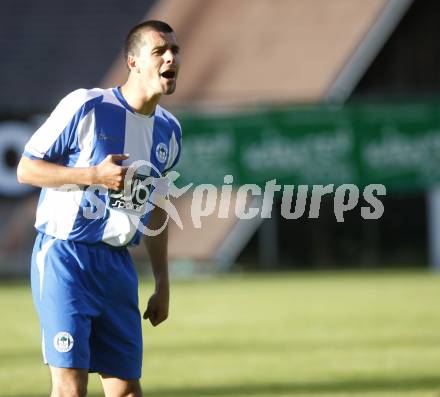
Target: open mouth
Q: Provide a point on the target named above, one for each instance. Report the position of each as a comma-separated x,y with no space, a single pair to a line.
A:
169,74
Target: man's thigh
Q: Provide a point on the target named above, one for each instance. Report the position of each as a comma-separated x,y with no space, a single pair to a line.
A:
116,334
87,301
65,302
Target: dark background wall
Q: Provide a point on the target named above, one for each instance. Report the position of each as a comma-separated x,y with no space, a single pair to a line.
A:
409,63
49,48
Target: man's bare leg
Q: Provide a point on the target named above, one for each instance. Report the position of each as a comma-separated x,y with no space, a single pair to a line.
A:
116,387
69,382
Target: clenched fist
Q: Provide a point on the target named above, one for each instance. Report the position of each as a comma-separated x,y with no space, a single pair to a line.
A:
110,174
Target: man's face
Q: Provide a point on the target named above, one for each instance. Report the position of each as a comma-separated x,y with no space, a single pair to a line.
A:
158,62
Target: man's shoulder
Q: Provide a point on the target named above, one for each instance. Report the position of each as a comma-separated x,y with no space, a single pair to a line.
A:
81,96
171,120
85,94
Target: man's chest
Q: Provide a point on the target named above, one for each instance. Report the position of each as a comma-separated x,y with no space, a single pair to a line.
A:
141,138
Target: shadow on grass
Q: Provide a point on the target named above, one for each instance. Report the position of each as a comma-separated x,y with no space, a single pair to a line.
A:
351,386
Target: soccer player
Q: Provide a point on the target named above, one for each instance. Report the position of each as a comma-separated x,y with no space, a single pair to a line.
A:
84,284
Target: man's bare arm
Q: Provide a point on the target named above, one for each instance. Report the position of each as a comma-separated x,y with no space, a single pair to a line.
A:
157,246
43,173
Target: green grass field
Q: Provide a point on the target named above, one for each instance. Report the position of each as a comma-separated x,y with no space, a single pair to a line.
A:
285,334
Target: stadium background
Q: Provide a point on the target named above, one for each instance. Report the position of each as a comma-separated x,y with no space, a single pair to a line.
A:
301,91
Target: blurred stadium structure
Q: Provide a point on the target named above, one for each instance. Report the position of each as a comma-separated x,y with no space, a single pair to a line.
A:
304,91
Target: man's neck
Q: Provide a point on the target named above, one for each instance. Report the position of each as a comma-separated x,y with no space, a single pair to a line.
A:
139,101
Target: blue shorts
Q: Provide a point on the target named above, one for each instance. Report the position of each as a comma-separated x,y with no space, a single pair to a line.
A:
86,297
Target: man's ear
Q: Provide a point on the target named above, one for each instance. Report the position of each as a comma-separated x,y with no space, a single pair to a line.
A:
132,63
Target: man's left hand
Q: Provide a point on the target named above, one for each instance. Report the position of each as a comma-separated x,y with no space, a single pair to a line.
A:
158,304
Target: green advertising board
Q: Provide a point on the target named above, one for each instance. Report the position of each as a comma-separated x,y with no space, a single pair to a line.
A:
397,145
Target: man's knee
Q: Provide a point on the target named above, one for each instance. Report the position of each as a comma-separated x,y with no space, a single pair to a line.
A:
134,393
130,389
115,387
69,382
69,390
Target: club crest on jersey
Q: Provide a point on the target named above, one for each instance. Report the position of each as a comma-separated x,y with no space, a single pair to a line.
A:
162,152
63,342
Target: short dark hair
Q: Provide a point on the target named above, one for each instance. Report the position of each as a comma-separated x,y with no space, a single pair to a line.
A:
134,36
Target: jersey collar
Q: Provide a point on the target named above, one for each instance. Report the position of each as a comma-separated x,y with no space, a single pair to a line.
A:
118,95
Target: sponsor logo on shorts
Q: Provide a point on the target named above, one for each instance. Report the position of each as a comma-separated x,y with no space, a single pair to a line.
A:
63,342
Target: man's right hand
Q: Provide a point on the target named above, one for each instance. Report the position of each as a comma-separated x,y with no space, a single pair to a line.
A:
110,174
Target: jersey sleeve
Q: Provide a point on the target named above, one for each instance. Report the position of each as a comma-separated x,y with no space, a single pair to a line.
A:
175,145
57,137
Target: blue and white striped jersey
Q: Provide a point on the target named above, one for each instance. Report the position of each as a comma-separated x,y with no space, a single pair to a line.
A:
84,128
